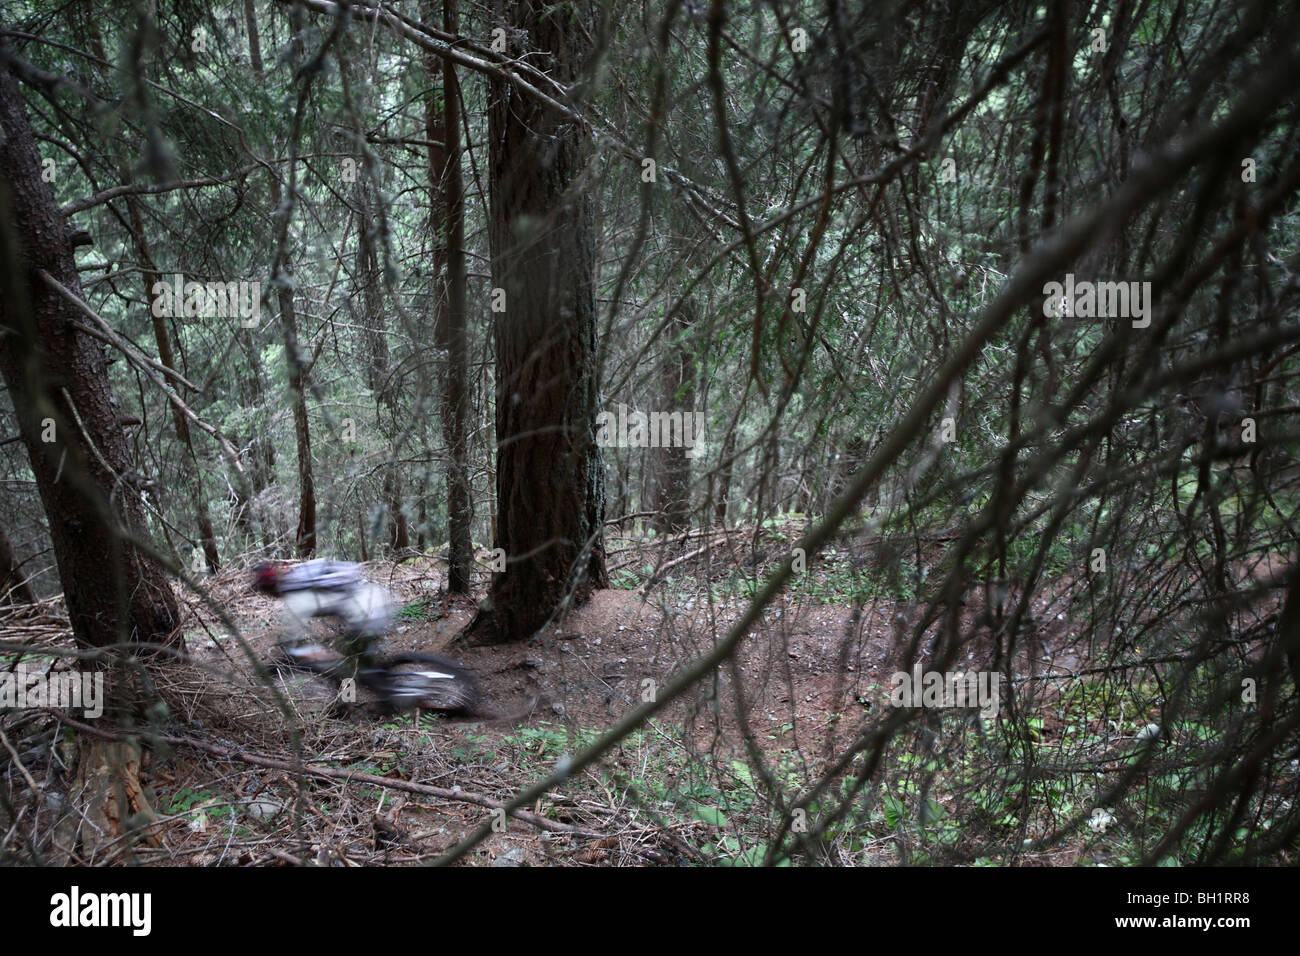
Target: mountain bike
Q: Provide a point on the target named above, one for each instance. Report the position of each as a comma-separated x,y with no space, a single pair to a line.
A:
400,682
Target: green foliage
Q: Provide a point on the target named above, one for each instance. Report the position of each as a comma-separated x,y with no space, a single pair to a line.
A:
413,612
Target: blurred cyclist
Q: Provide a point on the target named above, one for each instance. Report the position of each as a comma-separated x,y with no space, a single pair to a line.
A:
364,611
324,588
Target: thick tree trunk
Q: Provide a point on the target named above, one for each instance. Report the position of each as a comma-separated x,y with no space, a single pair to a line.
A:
550,474
448,204
58,379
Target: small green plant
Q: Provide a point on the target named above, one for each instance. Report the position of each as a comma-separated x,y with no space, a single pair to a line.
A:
412,612
184,800
199,803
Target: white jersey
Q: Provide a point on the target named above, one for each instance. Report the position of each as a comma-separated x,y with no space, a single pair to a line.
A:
322,574
365,609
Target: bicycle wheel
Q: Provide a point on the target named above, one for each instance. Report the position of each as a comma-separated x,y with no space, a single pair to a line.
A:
424,682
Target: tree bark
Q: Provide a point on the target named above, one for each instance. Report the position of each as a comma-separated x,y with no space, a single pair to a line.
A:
13,585
447,186
377,358
399,535
672,501
367,273
261,473
550,473
724,480
1288,623
58,379
306,535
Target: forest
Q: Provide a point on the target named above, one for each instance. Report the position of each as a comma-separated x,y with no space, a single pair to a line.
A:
831,434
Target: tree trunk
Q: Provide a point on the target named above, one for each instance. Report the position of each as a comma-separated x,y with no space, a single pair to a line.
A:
256,383
367,273
399,536
202,516
13,585
305,538
448,190
724,480
623,482
550,474
58,379
261,472
1288,623
672,500
377,364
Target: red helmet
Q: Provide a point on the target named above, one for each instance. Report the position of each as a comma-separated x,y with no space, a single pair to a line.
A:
266,578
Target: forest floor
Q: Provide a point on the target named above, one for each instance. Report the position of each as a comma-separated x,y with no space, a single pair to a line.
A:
222,773
812,673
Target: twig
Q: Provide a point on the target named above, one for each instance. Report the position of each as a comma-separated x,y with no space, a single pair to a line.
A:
18,763
130,189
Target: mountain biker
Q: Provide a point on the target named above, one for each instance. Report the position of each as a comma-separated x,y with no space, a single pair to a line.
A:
337,589
326,588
